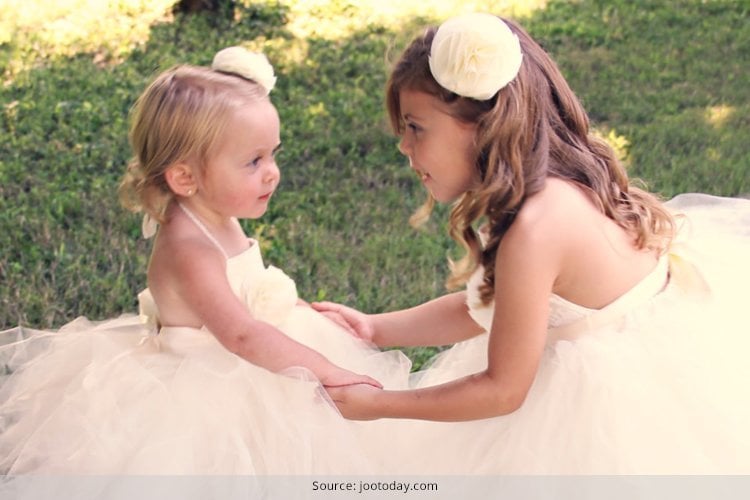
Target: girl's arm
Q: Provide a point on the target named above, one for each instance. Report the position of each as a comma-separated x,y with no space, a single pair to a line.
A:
527,265
201,283
441,321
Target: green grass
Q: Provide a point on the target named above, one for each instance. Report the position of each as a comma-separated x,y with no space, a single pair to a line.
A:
667,80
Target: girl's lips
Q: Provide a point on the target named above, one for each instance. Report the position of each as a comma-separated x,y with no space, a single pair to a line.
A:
422,175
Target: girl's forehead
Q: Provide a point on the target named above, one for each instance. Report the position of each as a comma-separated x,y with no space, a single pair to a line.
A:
254,114
417,103
254,126
414,99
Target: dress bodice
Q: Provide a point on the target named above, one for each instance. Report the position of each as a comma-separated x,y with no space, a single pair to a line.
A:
268,292
568,320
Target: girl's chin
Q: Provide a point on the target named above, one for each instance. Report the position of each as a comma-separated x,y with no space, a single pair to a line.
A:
444,198
257,213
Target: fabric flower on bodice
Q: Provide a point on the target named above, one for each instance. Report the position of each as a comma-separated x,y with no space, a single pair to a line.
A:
272,296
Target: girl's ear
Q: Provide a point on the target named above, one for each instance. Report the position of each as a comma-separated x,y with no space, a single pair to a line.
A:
181,179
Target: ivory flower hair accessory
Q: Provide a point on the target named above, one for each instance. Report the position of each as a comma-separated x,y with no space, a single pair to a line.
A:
250,65
475,55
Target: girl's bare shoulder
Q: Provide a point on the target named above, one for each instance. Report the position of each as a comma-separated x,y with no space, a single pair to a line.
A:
559,210
557,199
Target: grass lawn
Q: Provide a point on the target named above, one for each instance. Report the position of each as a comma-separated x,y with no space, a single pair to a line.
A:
666,82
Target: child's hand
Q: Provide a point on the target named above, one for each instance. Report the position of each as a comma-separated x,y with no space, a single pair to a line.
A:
355,322
338,377
355,402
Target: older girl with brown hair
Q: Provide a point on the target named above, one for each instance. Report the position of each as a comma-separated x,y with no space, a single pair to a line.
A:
587,340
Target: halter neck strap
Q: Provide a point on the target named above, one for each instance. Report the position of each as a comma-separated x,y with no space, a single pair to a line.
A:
203,229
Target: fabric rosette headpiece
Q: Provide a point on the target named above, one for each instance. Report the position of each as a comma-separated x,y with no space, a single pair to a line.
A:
475,55
249,65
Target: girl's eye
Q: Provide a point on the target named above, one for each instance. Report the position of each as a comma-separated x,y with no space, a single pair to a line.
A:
414,128
255,162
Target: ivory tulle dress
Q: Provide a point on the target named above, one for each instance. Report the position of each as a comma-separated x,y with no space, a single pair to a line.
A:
114,397
658,382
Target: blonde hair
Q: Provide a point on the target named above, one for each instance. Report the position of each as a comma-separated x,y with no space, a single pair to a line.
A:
533,128
179,118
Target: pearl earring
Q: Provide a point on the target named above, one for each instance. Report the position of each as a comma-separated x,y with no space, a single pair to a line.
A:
190,192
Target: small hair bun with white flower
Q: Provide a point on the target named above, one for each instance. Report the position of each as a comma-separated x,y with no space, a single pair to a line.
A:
249,65
475,55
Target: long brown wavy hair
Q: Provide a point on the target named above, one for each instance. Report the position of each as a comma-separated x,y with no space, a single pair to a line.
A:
533,128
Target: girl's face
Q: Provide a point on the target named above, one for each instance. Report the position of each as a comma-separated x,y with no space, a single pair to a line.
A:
242,174
440,148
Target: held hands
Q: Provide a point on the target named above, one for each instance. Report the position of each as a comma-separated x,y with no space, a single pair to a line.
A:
338,377
353,394
356,402
355,322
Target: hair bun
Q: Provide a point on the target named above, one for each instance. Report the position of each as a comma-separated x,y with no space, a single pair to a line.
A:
249,65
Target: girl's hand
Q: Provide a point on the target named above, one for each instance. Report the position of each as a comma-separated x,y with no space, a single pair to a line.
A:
338,377
355,322
355,402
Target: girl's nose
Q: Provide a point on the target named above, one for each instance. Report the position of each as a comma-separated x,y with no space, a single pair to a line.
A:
404,145
272,173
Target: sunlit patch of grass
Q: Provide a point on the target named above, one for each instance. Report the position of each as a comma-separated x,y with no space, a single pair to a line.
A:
289,51
619,143
335,19
44,29
38,30
719,115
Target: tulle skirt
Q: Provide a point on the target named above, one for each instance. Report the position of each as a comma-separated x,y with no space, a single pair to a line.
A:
111,398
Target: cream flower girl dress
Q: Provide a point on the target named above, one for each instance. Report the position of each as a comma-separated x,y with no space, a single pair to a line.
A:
120,397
